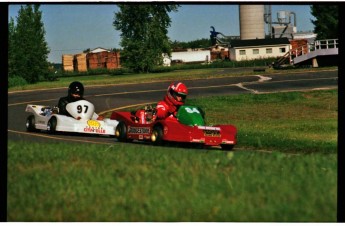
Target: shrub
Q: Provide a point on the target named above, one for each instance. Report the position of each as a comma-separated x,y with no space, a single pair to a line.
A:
98,71
120,71
161,69
16,81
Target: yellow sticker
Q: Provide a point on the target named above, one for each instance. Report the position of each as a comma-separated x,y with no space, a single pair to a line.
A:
93,123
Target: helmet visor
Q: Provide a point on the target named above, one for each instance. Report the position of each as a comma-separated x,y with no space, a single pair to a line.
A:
76,91
181,97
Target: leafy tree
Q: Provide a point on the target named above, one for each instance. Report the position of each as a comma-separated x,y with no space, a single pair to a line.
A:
144,34
326,23
28,50
199,43
11,64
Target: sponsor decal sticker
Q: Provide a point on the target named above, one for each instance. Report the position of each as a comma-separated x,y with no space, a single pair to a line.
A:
94,127
138,130
209,128
94,130
211,133
93,123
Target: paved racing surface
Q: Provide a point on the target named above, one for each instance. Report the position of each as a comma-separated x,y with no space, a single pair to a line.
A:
110,97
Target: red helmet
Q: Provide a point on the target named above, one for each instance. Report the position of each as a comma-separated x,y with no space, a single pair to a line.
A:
176,93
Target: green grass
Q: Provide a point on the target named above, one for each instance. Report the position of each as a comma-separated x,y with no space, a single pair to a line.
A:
294,122
284,169
127,182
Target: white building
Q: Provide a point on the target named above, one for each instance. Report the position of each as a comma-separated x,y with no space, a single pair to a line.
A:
252,49
189,56
309,36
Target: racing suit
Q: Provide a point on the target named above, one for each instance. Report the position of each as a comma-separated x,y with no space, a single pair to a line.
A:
166,108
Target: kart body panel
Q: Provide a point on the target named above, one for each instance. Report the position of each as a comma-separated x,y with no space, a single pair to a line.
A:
174,130
85,124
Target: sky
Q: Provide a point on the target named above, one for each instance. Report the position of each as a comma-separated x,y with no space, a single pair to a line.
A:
72,28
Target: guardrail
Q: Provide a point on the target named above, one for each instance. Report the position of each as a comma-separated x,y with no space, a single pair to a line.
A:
325,44
318,48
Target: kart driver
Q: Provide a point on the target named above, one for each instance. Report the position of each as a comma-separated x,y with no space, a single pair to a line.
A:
75,93
174,98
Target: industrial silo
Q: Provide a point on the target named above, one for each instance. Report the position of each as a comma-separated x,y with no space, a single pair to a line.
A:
252,24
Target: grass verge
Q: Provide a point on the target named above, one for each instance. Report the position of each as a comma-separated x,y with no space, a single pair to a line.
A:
138,183
300,122
296,181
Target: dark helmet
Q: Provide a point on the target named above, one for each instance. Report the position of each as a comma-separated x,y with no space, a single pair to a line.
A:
76,88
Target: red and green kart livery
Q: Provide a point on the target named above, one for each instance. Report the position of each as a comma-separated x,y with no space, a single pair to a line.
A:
187,127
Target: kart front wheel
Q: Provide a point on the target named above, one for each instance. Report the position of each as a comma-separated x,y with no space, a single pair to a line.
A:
30,124
121,132
157,135
51,127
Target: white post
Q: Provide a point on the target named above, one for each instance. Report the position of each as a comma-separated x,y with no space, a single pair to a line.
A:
315,64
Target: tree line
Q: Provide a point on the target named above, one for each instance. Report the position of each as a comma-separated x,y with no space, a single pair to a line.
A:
27,48
144,37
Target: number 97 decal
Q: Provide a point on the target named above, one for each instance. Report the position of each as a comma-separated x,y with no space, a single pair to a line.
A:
80,109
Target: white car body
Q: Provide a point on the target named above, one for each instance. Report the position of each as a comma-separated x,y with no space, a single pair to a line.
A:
84,121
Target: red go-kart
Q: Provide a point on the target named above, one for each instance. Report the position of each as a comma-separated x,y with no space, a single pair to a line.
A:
188,126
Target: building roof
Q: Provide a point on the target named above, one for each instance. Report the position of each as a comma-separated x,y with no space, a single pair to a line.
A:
99,49
259,42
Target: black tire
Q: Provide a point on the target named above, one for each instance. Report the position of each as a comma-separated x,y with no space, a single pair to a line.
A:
51,126
227,147
157,135
30,124
121,132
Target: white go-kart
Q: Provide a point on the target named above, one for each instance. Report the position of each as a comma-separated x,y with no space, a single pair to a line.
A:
83,120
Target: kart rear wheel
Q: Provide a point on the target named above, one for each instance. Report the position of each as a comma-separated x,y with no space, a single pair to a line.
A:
51,126
121,132
227,147
30,124
157,135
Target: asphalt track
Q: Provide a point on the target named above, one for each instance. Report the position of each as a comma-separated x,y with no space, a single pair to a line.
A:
113,97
